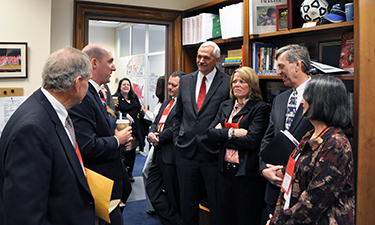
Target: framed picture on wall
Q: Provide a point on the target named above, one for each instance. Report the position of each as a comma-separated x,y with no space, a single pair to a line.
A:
13,60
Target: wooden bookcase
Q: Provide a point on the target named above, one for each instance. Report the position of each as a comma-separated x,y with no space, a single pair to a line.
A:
362,83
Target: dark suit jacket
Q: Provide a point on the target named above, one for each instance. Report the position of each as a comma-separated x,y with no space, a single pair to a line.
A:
255,121
95,139
165,146
299,127
190,127
41,179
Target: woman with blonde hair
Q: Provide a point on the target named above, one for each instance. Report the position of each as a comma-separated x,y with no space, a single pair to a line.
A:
239,127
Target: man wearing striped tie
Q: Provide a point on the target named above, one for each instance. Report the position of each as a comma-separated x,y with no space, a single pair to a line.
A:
293,65
96,138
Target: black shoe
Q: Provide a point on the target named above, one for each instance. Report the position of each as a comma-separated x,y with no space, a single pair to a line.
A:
150,212
131,178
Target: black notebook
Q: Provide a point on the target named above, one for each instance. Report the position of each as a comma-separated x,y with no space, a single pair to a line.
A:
279,149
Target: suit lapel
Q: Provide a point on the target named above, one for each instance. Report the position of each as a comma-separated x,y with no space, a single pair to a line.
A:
99,103
193,84
214,85
282,106
64,139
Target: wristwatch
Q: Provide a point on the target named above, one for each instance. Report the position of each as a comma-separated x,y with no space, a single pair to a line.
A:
232,135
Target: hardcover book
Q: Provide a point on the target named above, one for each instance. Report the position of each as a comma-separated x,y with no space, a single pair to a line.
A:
262,15
347,52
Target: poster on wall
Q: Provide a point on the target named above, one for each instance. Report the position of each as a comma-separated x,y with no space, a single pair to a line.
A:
135,65
134,69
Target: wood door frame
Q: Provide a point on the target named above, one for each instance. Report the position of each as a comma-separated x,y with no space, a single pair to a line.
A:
84,11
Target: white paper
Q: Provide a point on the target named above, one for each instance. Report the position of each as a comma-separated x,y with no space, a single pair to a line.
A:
7,107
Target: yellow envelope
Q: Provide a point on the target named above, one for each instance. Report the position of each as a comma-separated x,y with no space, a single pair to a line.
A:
101,190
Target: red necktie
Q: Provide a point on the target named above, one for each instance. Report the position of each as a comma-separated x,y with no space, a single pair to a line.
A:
103,99
202,93
164,116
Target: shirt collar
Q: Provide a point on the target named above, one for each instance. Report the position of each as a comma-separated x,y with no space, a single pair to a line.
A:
209,77
301,89
95,85
59,108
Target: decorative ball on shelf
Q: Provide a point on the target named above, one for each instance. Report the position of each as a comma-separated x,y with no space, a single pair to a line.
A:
313,10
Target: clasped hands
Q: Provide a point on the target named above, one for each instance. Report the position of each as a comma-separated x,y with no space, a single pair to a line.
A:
154,138
273,174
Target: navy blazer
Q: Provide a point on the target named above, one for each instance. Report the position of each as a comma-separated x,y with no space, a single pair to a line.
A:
165,146
95,138
255,121
41,178
299,127
190,127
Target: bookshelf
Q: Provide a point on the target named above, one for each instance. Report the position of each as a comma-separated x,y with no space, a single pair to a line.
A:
361,83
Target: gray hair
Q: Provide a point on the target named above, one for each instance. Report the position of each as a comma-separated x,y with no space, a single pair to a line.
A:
216,52
294,52
63,67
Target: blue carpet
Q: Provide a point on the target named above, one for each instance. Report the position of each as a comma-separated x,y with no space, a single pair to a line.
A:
138,165
135,210
135,214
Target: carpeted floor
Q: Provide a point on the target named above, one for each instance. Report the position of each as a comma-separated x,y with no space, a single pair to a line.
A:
135,210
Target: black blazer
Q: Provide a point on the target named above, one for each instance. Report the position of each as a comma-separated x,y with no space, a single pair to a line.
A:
41,179
190,127
96,140
299,127
165,146
255,121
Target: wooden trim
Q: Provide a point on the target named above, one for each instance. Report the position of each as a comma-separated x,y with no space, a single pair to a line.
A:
84,11
364,113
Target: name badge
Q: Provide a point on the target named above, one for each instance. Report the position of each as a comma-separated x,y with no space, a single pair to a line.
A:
163,118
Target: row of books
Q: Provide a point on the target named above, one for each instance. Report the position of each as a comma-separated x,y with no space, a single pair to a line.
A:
264,58
231,21
197,29
334,58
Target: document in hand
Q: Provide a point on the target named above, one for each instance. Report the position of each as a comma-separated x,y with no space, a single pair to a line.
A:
279,149
101,190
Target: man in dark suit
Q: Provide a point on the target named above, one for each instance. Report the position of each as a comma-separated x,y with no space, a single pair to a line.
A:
196,156
162,183
293,64
97,140
42,179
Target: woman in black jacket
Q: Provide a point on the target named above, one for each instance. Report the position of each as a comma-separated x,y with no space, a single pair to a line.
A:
239,127
130,107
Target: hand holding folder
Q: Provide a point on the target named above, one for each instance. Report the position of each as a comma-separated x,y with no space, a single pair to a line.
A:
101,190
279,149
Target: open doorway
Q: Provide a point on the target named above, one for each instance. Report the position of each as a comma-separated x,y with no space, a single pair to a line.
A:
139,52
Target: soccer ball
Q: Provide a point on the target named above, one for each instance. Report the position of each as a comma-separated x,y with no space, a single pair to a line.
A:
313,10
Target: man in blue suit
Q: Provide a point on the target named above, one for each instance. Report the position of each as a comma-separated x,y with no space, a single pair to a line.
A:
293,64
97,140
198,100
42,179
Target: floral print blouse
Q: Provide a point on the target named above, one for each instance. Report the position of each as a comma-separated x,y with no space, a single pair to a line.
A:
323,182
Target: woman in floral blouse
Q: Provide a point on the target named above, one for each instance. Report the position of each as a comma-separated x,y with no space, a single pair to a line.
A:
320,188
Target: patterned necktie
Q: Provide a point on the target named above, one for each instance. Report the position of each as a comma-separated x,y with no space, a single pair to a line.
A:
202,93
103,99
291,109
69,126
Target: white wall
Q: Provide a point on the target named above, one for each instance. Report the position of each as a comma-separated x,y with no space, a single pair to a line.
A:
47,25
27,21
107,38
